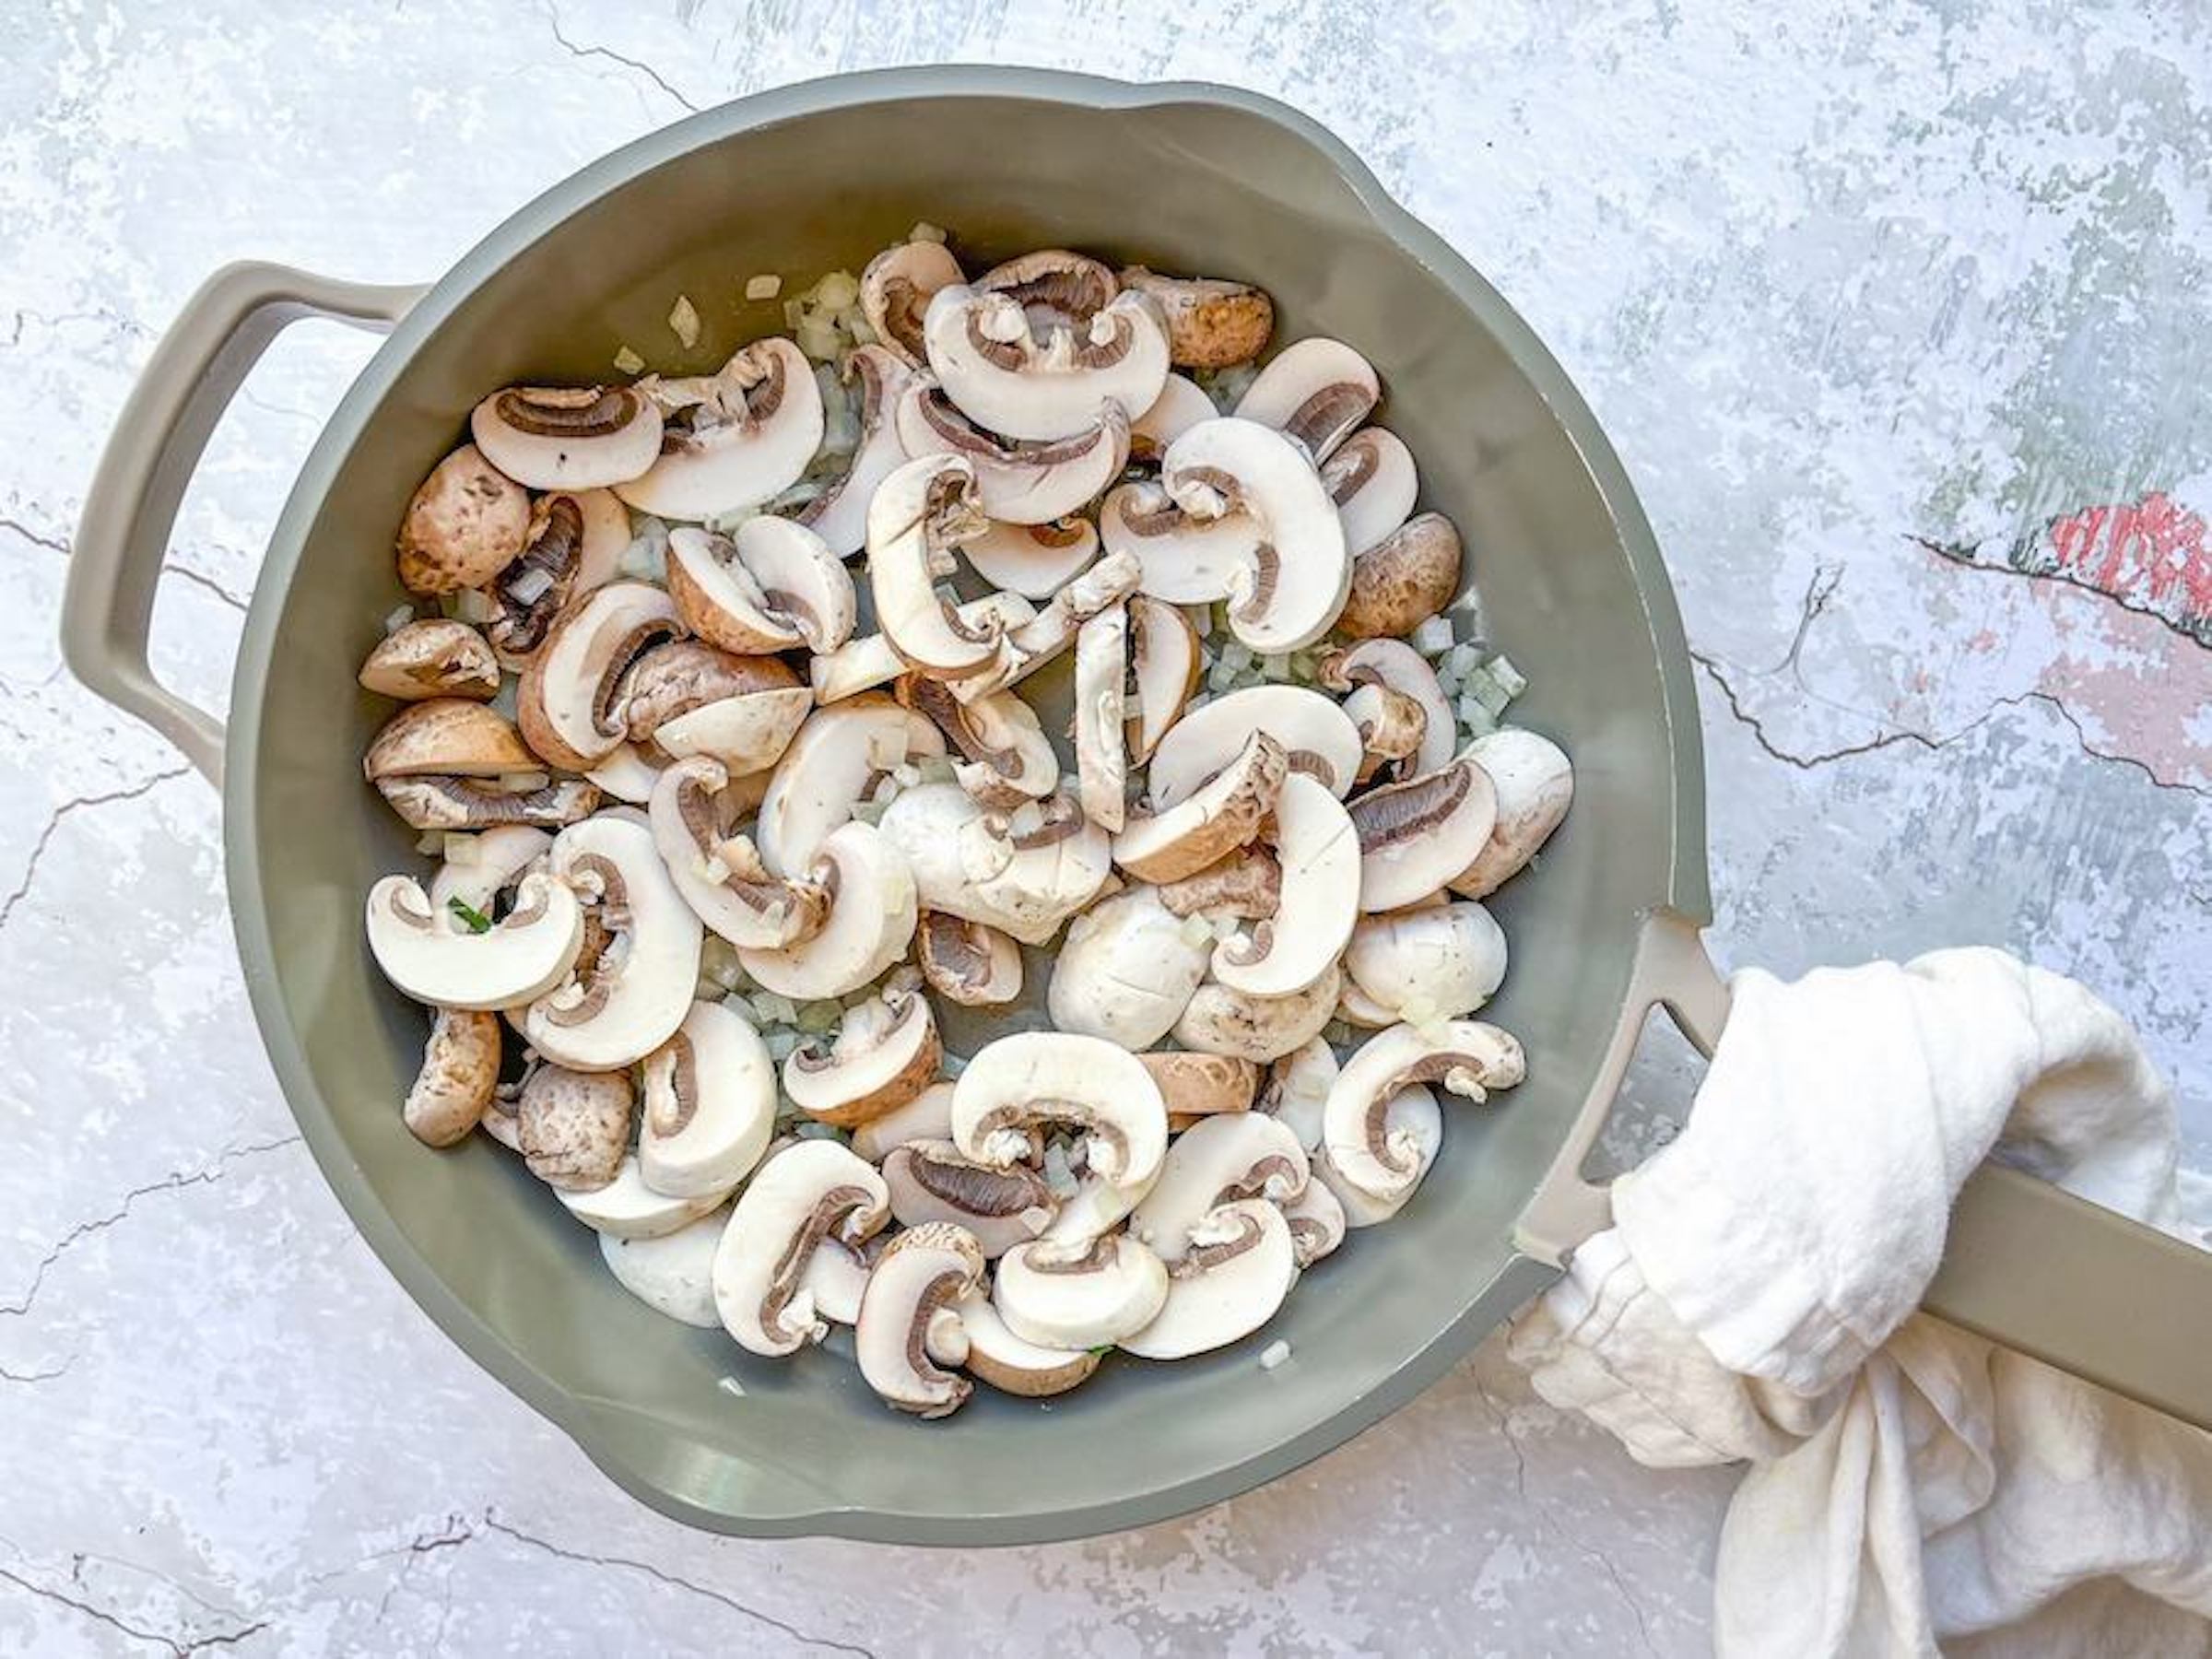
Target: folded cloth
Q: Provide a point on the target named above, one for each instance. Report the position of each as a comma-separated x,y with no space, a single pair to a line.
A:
1754,1300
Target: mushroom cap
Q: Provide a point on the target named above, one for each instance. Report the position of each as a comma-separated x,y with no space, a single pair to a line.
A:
1298,1090
1180,558
870,660
1223,1020
1079,1296
565,703
1166,659
628,1209
1535,785
1011,1365
710,1105
1017,1082
673,1273
928,1116
1209,823
1316,736
1289,593
719,597
873,910
839,514
1033,559
1416,835
1401,581
448,736
1317,1223
525,953
1017,483
1318,854
886,1052
929,1181
1217,1160
983,349
921,1272
1023,872
967,963
573,1127
1126,970
895,292
1394,665
1411,1120
719,876
1095,1208
1468,1056
1437,963
1373,481
1054,286
1211,323
1180,406
921,511
464,526
839,757
748,439
433,658
1317,391
460,1069
1196,1085
449,803
682,676
1239,1265
810,1190
568,437
1102,743
1245,885
1035,643
1008,757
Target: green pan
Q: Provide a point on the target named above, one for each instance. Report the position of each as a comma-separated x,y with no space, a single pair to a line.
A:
814,177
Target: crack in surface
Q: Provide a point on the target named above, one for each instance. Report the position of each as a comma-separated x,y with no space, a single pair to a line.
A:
54,543
647,70
45,1376
200,580
1965,556
181,1649
78,803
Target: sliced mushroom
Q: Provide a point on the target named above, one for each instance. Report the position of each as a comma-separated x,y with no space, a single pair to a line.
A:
1033,559
929,1181
568,437
1211,323
1287,593
1246,884
1535,785
735,440
1393,665
460,1069
1180,406
718,874
984,351
436,658
1222,1020
1355,1007
967,963
884,1053
618,1009
1318,852
1017,483
464,526
1096,1207
1217,1160
445,803
1468,1056
895,292
1166,658
1079,1296
1318,390
626,775
1239,1265
1180,558
1127,971
1416,836
573,1127
1298,1090
673,1273
747,735
1008,759
575,544
1019,1083
1035,643
839,758
862,664
1102,743
810,1191
922,1273
1316,1221
928,1116
1404,579
1422,965
710,1105
681,677
565,703
837,1278
839,514
773,586
1212,821
1054,287
872,916
627,1208
1010,1364
448,736
920,514
523,955
1391,726
1201,1085
1373,481
1023,872
1316,736
1412,1122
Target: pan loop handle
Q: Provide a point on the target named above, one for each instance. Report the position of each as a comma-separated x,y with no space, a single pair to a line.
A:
131,508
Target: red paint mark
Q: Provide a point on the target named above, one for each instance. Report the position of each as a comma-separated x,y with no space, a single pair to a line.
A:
1986,641
2150,554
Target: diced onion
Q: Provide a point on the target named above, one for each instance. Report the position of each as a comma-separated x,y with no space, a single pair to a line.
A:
535,583
1236,656
461,849
473,605
1338,1032
1273,1354
1433,637
1197,931
925,232
838,291
431,844
935,769
779,1044
524,783
627,361
815,1129
683,320
765,287
816,1018
772,1009
400,617
1511,680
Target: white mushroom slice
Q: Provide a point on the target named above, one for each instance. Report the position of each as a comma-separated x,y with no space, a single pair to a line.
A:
772,585
1035,643
1318,852
1211,323
1316,736
928,1116
1017,483
1166,658
1019,1083
627,1208
929,1181
840,756
672,1275
967,963
1239,1265
837,1278
576,542
1079,1296
746,734
494,862
983,350
631,1000
1289,593
626,775
1298,1090
1056,288
1468,1056
872,916
884,1053
720,875
1180,406
565,703
1373,481
464,526
1007,758
437,658
746,436
460,1070
1127,971
568,437
1398,667
1215,1161
895,292
1317,1223
920,514
1409,576
573,1128
1535,785
447,736
1011,1365
1181,560
1434,963
1096,1207
862,664
1318,390
1416,836
710,1105
1211,822
1023,873
1033,559
1411,1121
523,956
920,1274
1355,1007
1101,745
810,1191
1201,1085
1221,1020
839,514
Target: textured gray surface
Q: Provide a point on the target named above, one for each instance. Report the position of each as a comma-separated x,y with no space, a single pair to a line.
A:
1867,297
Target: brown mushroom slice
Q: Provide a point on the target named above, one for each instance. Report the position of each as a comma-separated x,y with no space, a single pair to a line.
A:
1200,1086
884,1053
929,1181
862,664
810,1191
895,292
710,1105
479,868
1391,664
1180,406
1079,1296
1211,323
1101,744
1034,560
1373,482
1007,758
1391,726
1317,1223
1056,288
839,514
1126,970
922,1273
1469,1057
448,736
719,597
1409,576
1019,1083
680,678
1023,872
719,874
1416,836
568,437
1419,965
1411,1120
573,1127
1247,884
872,916
442,802
1180,558
983,350
997,1357
464,526
746,734
575,544
1239,1265
524,953
921,513
1318,852
1212,821
1217,1160
1297,1089
1166,658
1316,736
1289,593
1317,391
672,1275
1222,1021
460,1069
841,755
1535,785
968,962
928,1116
744,436
435,658
626,1207
565,703
1017,483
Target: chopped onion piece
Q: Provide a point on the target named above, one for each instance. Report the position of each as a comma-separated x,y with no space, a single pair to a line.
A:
771,1009
524,783
1433,637
430,843
535,583
1197,931
1511,680
925,232
400,617
683,320
627,361
764,286
1273,1354
816,1017
461,848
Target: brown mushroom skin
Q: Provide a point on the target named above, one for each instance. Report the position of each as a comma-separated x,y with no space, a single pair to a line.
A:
967,963
1247,884
464,525
574,1127
435,658
460,1070
1194,1085
447,736
1409,576
1211,323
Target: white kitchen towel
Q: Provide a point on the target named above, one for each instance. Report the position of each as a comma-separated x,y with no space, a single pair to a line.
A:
1754,1300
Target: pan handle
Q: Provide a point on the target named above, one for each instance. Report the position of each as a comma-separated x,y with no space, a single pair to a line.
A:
2068,1282
131,508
